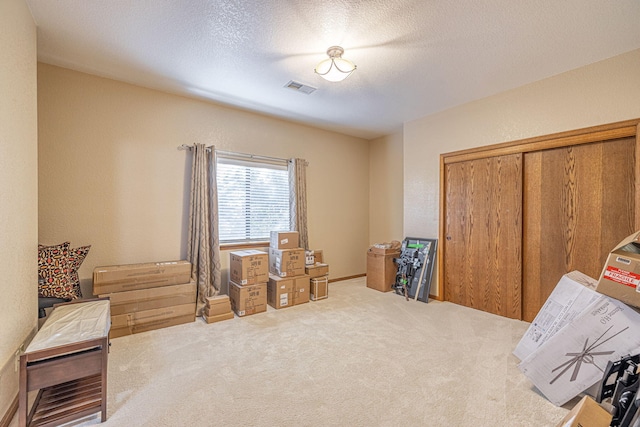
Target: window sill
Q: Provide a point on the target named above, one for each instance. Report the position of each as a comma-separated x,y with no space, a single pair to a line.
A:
241,246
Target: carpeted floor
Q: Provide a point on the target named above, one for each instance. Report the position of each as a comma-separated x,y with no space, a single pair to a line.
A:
358,358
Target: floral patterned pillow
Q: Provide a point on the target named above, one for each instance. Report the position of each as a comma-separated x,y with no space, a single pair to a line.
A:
76,257
54,272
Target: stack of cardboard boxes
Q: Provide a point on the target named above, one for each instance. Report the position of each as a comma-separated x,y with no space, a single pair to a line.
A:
217,309
146,296
248,274
318,273
288,284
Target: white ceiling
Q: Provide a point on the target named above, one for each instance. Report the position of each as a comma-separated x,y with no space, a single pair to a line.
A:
414,58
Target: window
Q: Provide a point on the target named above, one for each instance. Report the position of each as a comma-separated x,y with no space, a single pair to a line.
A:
253,197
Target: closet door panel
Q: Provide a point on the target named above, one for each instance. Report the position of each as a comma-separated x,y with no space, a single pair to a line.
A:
578,203
483,231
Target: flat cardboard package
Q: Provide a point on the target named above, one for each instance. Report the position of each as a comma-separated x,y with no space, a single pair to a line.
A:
130,277
317,270
301,289
284,239
286,262
247,300
280,291
219,317
575,357
586,413
217,305
381,270
148,299
572,294
249,267
319,288
620,277
147,320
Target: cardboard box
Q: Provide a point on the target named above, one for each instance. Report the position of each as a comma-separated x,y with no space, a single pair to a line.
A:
284,239
130,277
317,270
572,294
219,317
300,289
319,288
381,270
148,299
280,291
318,256
587,413
620,277
217,305
286,262
309,258
573,359
249,267
147,320
246,300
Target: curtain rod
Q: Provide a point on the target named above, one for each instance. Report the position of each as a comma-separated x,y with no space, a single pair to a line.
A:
232,153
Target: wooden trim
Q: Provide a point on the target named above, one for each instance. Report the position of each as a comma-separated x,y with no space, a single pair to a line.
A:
242,246
562,139
338,279
11,412
441,235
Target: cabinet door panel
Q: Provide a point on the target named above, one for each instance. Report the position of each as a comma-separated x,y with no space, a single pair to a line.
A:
483,229
578,204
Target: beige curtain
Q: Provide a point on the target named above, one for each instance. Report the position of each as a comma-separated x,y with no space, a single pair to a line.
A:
203,246
298,199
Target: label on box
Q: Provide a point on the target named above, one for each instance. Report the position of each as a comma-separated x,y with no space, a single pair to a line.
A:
623,277
284,300
243,282
284,241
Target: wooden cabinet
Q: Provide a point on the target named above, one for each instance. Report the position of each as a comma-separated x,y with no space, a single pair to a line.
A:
517,216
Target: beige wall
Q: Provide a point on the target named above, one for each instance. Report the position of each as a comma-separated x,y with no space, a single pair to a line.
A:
18,189
385,189
604,92
111,175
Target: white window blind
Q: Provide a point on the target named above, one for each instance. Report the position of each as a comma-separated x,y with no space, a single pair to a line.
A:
253,197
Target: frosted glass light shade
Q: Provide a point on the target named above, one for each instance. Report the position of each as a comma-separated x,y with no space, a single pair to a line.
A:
335,68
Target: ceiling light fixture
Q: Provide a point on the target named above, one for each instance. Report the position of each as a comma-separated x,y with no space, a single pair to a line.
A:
336,68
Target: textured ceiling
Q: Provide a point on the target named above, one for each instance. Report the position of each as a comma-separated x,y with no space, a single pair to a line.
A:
414,58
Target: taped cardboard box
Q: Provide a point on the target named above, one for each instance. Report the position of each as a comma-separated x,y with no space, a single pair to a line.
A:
130,277
587,413
620,277
217,305
219,317
247,300
249,267
573,359
147,320
317,270
148,299
319,288
381,270
301,289
573,293
286,262
280,291
284,239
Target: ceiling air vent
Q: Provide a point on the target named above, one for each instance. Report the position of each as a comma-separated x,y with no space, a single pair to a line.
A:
299,87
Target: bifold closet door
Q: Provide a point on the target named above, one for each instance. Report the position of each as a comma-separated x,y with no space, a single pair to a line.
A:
578,204
483,234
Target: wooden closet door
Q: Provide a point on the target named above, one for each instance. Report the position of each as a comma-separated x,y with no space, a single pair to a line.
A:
483,234
578,204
